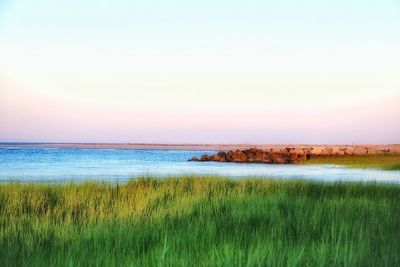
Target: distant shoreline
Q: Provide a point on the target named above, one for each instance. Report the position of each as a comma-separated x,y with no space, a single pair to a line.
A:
394,148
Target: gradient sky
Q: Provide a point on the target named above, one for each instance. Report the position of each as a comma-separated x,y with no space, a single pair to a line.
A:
200,71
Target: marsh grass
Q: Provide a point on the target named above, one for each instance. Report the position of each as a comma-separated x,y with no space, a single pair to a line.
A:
381,161
206,221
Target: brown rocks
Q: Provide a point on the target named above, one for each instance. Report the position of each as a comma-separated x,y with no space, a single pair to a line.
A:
287,155
383,150
315,152
239,156
297,154
348,151
360,150
337,151
229,156
221,156
283,156
205,158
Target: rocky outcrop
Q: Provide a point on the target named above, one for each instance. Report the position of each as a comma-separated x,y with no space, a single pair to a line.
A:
285,155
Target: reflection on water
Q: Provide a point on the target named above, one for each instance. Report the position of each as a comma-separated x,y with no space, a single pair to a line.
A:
62,164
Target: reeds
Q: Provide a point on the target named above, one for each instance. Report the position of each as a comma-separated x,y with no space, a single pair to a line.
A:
203,221
380,161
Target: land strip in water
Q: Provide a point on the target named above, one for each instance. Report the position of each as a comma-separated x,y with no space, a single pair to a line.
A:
359,148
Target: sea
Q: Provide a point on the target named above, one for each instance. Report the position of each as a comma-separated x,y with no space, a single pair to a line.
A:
51,164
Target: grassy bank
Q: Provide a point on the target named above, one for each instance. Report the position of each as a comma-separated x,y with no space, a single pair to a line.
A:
200,221
381,161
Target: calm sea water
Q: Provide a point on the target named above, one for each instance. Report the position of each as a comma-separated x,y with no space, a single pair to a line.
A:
65,164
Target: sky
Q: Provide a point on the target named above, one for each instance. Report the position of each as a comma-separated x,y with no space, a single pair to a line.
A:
254,71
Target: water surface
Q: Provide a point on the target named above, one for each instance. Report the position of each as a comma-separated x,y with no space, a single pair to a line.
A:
65,164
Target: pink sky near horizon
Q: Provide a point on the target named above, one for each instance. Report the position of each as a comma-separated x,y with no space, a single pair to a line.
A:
26,117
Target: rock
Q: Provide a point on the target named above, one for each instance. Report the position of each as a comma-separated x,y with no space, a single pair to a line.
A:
280,158
360,150
239,156
229,156
293,157
383,150
348,151
221,156
337,151
215,158
287,155
372,150
315,152
205,158
267,160
297,154
251,154
263,157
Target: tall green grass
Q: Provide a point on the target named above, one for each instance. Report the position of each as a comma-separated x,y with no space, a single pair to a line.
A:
381,161
197,221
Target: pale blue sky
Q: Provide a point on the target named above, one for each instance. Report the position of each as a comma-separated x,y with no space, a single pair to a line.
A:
205,25
269,71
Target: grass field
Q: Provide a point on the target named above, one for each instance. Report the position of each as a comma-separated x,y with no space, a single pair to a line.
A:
381,161
200,221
